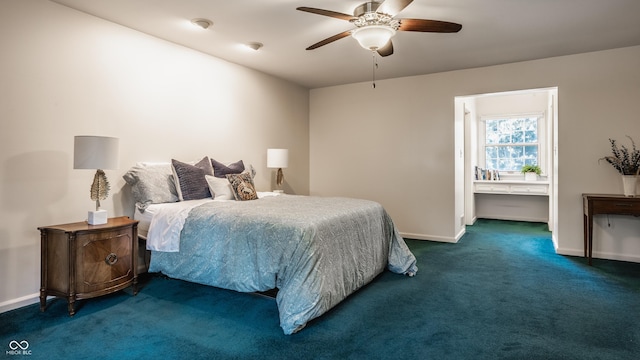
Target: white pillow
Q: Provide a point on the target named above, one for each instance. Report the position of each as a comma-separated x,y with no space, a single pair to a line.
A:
220,188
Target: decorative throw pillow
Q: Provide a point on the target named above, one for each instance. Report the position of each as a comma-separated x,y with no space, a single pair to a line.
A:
151,183
220,188
190,179
242,185
221,170
251,170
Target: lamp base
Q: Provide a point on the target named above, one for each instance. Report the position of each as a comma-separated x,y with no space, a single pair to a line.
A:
98,217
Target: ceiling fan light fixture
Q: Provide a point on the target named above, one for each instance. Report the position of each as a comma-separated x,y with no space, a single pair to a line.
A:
373,37
202,23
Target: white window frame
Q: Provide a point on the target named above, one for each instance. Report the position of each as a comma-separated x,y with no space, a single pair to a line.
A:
542,139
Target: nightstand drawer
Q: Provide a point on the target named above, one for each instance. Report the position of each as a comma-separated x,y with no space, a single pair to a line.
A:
106,260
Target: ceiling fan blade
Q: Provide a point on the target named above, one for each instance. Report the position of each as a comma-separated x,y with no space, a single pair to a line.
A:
386,50
393,7
328,13
329,40
428,26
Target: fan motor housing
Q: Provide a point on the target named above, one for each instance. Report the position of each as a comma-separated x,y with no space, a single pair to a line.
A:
367,7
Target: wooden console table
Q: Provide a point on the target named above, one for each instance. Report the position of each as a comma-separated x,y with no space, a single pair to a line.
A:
594,204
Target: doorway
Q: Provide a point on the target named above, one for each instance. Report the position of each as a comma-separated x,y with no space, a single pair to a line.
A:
492,186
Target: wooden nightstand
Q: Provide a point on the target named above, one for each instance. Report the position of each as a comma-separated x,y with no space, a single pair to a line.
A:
81,261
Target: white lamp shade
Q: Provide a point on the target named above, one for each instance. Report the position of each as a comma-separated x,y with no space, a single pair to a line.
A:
277,158
373,37
95,152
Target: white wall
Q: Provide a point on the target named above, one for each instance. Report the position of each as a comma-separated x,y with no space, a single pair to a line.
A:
459,174
533,208
392,144
395,143
65,73
467,108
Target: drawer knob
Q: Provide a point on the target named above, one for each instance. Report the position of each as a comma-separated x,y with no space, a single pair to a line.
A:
111,259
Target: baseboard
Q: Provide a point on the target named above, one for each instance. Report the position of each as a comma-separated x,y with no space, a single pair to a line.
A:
598,255
19,302
569,252
429,237
515,218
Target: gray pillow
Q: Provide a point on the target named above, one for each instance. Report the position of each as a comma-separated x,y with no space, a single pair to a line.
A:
221,170
190,179
151,183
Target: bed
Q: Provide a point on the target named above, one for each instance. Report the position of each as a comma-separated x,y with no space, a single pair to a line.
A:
315,251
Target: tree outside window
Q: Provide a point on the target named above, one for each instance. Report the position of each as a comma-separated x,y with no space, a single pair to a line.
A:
511,143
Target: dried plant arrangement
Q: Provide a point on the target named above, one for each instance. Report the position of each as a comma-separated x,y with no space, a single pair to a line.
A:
626,161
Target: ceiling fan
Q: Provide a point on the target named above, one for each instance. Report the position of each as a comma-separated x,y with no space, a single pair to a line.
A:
376,24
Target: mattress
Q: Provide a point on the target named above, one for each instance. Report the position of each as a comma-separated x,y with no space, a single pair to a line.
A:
144,220
145,217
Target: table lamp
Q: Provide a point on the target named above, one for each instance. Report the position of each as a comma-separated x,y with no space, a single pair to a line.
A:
96,152
278,158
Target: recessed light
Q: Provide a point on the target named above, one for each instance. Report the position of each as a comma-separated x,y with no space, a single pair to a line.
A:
202,23
254,45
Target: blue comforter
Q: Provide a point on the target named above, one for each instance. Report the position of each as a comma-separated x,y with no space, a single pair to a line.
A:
315,250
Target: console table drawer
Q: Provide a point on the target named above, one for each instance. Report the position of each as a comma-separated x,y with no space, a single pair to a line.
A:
619,206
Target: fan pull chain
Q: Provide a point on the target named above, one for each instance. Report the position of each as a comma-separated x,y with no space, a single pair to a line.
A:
375,66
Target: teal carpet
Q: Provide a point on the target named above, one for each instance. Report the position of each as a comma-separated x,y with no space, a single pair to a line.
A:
500,293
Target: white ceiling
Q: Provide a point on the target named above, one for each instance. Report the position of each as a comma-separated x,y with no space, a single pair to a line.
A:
493,32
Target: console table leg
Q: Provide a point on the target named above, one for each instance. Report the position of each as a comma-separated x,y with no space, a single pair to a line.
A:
590,239
586,232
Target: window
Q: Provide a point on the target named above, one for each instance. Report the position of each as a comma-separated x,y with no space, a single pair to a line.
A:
511,142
